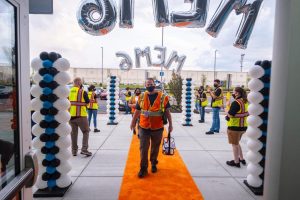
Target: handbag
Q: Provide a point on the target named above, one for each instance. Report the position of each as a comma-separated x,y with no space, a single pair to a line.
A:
168,145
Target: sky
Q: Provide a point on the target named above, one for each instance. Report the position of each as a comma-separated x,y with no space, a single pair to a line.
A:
61,33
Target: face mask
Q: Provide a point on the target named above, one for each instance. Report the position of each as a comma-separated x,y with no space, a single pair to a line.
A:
215,85
233,95
150,89
137,94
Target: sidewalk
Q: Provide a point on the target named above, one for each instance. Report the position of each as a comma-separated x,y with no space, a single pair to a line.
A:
99,177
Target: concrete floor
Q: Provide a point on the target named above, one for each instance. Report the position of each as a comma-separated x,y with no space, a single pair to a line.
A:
99,177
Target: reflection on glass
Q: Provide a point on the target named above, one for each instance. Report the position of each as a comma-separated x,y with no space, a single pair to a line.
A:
8,97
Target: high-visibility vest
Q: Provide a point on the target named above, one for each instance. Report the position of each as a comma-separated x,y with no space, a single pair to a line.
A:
204,103
218,102
134,100
78,104
240,118
127,96
151,116
93,103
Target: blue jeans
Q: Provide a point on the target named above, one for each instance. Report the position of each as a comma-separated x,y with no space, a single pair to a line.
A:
202,113
197,106
215,127
94,114
127,108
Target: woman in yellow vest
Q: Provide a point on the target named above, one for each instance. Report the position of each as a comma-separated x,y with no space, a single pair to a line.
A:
237,125
202,104
133,101
127,98
93,107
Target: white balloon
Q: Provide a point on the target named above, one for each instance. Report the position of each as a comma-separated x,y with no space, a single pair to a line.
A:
64,181
62,64
63,143
254,157
63,116
254,121
256,71
62,104
37,130
36,91
36,64
41,170
37,117
255,85
37,78
184,87
63,130
253,132
65,154
40,184
255,97
254,181
62,78
184,81
255,109
61,91
254,169
37,143
36,104
64,167
254,145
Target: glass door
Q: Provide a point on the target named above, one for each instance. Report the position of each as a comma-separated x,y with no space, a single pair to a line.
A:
9,131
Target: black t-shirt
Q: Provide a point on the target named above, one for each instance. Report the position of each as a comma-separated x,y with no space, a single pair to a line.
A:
202,95
217,92
234,109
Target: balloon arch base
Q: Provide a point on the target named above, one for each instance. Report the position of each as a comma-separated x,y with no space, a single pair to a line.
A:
55,192
112,123
256,190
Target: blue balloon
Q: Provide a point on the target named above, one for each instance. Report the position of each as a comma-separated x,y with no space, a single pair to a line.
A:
112,118
48,78
47,63
50,170
112,82
47,91
49,144
113,86
49,118
51,183
113,77
50,157
47,104
49,131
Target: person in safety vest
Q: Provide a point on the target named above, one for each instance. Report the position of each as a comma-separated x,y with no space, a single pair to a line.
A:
150,108
133,101
79,100
127,99
92,107
202,103
216,104
237,125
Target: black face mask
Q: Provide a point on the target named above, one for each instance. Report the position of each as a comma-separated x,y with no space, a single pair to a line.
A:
137,94
150,89
216,85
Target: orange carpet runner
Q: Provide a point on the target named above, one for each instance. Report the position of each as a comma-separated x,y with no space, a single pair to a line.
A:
172,180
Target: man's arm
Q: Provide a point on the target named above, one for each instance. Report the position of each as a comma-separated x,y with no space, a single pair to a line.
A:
86,97
136,115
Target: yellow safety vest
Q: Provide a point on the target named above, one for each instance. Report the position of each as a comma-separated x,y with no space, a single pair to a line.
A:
127,96
240,119
218,102
204,103
78,105
93,103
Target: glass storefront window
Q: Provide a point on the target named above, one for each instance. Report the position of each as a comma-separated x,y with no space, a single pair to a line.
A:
9,137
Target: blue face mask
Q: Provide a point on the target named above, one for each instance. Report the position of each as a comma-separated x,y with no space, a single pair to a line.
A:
150,89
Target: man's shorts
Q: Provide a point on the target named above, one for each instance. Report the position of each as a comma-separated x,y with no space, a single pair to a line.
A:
234,137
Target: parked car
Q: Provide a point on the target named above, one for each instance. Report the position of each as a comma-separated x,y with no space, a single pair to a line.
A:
5,91
121,105
103,94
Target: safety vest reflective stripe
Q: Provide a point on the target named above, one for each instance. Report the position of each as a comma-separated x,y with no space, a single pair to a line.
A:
151,114
79,99
75,103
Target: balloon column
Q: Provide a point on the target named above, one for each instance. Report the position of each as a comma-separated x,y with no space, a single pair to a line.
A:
52,129
258,97
187,101
112,100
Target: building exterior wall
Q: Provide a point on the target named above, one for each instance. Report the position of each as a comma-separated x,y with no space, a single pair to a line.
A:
93,75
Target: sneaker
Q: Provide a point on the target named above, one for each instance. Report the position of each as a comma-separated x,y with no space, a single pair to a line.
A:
243,162
201,121
233,164
96,130
209,133
153,169
142,173
74,153
87,153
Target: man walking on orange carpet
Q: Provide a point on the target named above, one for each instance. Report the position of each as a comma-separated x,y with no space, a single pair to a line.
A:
151,107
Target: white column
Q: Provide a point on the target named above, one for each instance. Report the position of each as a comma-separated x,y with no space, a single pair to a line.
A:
283,144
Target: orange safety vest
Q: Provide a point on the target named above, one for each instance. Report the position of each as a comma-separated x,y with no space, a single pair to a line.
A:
151,116
78,104
133,100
